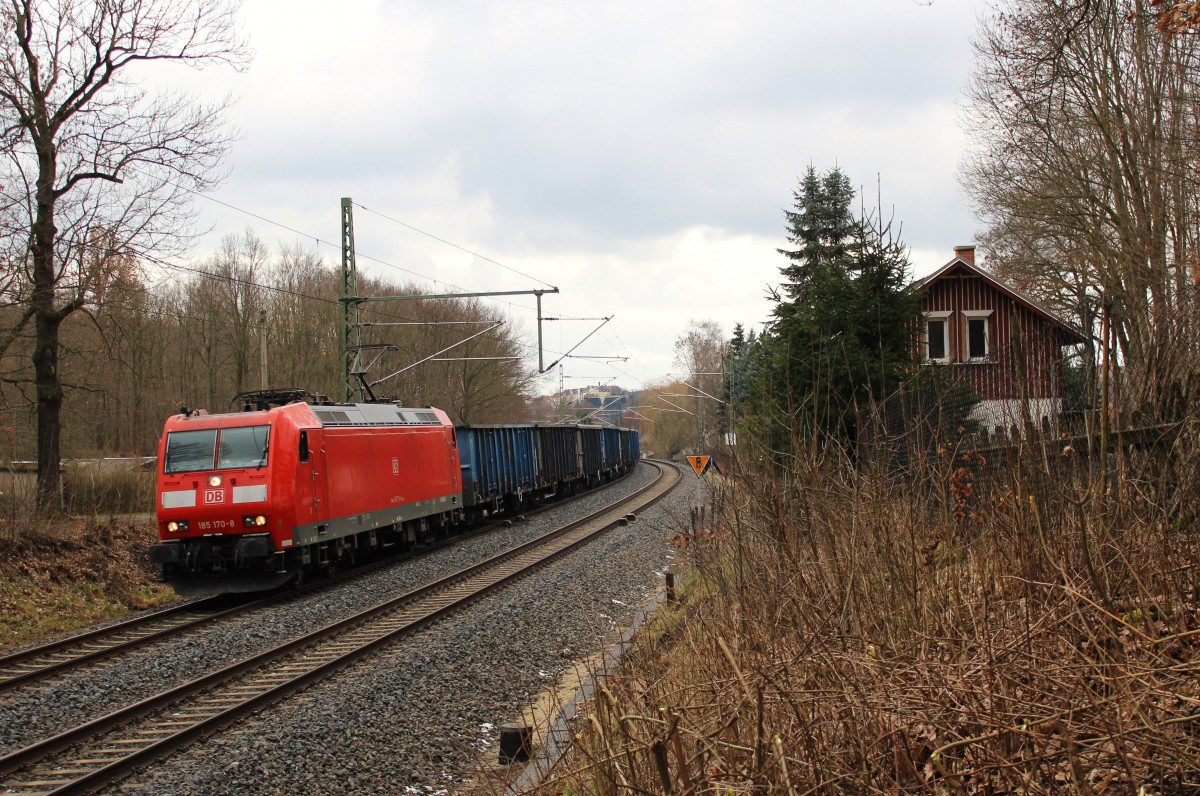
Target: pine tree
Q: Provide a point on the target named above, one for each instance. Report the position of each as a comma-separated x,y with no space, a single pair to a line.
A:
823,228
885,309
738,374
844,322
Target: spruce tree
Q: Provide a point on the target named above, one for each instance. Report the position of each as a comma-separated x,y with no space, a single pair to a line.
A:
844,321
738,373
822,226
885,311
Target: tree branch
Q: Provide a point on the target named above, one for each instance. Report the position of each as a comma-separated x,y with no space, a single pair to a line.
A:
10,335
79,177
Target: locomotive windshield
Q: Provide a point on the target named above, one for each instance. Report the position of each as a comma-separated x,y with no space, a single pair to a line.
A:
188,451
243,447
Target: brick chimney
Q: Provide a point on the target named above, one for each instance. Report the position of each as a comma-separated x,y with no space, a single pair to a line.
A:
966,252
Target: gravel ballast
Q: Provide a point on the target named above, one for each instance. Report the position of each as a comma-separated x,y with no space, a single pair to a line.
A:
414,717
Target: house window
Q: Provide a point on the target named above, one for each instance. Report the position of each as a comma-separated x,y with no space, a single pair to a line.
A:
937,336
977,347
977,333
937,340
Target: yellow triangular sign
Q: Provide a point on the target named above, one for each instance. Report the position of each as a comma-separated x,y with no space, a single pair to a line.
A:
699,463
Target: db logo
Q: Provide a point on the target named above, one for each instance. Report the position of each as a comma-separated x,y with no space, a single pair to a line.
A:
214,496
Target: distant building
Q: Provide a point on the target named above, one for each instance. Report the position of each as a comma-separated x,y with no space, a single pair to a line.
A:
598,403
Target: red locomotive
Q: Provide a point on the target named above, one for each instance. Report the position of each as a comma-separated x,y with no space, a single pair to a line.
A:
247,500
250,500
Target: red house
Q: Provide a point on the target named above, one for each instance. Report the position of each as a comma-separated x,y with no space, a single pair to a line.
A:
967,325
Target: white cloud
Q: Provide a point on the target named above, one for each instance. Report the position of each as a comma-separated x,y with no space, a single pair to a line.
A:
636,155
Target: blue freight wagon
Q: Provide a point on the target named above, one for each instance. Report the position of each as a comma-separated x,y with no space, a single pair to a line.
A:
499,465
629,447
506,467
610,446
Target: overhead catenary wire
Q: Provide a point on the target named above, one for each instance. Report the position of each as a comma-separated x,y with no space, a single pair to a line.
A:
454,245
204,273
423,323
439,353
254,325
321,242
207,274
360,254
530,351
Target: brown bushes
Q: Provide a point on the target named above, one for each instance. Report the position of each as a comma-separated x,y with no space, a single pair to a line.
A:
970,628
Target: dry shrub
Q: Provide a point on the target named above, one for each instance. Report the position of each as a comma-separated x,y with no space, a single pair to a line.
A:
17,505
91,491
110,556
1022,625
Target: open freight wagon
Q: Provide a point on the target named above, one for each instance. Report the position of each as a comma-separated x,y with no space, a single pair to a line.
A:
506,467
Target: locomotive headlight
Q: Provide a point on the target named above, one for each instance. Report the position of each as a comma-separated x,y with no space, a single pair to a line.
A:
176,527
257,521
214,480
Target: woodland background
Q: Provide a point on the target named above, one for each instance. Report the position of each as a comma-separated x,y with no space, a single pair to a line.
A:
161,336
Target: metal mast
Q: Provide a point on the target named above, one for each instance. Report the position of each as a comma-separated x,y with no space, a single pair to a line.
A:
353,372
351,328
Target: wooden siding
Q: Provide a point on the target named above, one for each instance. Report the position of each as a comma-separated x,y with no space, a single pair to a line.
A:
963,290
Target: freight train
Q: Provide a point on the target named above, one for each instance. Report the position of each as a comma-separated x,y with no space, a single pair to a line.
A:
249,500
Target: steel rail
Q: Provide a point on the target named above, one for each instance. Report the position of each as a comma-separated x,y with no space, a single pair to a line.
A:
55,646
182,726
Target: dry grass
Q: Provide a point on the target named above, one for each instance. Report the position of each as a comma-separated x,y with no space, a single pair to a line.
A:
99,492
90,491
965,629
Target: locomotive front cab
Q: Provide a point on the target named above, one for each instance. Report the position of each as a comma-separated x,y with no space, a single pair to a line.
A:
217,459
214,514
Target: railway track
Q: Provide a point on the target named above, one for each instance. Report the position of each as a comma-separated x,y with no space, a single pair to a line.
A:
88,757
20,668
87,649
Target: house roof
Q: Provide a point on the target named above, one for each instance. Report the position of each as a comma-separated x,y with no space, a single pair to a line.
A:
958,264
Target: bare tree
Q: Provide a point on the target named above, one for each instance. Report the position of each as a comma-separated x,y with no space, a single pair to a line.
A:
107,358
236,274
674,428
476,379
491,380
1087,170
700,354
133,379
95,166
305,318
204,327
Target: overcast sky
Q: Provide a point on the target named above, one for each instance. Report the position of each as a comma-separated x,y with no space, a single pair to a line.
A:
636,155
